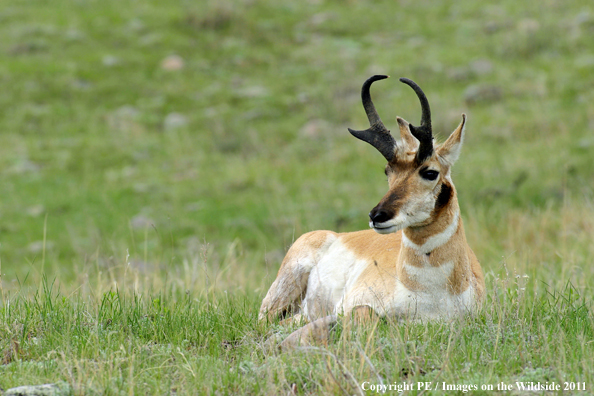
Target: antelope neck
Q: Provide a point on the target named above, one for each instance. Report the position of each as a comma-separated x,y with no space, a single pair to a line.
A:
432,236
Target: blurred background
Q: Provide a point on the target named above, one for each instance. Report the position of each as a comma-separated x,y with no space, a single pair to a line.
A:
193,142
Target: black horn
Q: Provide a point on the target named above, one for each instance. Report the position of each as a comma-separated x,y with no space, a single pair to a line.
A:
423,133
377,135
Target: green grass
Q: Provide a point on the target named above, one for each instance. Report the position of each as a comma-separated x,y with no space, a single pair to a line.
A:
168,341
135,250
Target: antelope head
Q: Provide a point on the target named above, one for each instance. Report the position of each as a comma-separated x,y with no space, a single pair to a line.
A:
418,171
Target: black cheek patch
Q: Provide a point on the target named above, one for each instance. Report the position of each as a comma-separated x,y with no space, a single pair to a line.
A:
444,196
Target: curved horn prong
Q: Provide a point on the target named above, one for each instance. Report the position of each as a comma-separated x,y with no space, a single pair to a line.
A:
423,133
377,134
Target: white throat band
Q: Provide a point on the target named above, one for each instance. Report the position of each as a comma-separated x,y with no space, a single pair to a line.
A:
434,241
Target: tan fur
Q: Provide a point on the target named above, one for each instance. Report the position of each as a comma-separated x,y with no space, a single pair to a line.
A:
362,314
439,221
290,286
409,273
478,277
316,332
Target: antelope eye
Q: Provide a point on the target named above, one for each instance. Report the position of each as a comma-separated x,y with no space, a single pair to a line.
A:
429,174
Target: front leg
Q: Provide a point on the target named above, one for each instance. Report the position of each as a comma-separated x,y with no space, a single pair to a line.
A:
318,331
363,314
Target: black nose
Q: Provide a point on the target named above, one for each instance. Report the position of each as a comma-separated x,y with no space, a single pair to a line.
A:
379,215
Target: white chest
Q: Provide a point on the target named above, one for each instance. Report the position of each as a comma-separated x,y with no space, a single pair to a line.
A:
433,298
335,286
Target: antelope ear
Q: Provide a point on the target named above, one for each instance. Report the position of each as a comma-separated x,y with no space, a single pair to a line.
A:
449,151
411,142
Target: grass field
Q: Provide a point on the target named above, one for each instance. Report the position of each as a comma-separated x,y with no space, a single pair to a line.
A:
159,158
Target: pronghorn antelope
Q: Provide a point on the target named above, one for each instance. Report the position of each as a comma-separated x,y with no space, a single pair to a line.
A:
414,264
